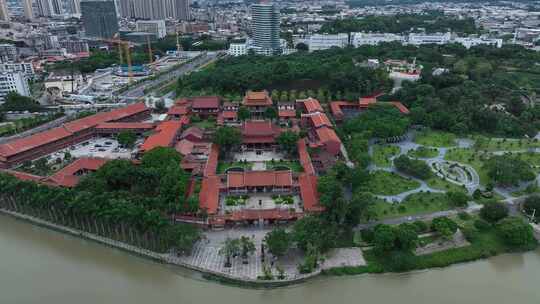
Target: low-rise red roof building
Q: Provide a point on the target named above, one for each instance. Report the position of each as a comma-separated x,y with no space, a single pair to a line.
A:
166,135
309,105
70,175
108,128
257,102
259,132
339,108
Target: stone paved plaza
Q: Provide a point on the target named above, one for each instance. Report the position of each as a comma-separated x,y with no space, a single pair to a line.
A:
206,256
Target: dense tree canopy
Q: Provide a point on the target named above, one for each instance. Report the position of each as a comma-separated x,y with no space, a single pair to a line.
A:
506,170
16,102
414,167
494,212
516,232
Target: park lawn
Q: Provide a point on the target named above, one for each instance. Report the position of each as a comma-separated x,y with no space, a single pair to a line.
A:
504,144
414,204
423,152
223,166
435,139
205,124
388,183
532,158
382,154
295,166
438,183
469,157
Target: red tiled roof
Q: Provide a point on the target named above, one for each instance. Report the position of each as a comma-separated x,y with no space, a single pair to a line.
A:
326,134
319,120
209,195
259,128
260,98
335,107
367,101
259,140
166,133
259,179
194,132
43,138
401,107
287,113
312,105
308,192
24,176
178,110
68,176
205,102
184,147
303,154
230,114
211,164
126,125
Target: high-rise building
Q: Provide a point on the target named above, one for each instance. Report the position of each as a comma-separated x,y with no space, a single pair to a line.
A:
4,12
155,9
156,27
265,28
99,18
72,6
28,9
13,82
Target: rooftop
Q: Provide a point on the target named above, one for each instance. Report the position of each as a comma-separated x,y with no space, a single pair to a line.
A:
164,136
259,179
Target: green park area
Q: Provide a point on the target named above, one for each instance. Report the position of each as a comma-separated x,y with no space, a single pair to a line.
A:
423,152
414,204
504,144
438,183
383,154
435,139
389,183
470,157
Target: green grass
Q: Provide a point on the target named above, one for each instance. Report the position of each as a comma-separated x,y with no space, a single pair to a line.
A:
205,124
423,152
438,183
414,204
470,157
223,166
483,143
382,154
295,166
387,183
435,139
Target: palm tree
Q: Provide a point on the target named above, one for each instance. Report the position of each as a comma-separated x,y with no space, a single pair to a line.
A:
231,248
248,247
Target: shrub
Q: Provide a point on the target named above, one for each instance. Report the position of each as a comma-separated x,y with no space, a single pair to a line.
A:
516,232
445,226
421,227
482,225
494,212
464,216
367,235
457,198
532,205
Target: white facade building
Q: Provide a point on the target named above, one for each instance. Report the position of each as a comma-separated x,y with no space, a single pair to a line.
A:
156,27
469,42
238,49
359,39
13,82
24,67
419,39
318,42
8,53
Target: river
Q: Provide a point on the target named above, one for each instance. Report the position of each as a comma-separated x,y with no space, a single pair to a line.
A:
47,267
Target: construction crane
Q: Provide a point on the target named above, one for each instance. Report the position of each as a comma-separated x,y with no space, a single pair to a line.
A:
150,55
123,48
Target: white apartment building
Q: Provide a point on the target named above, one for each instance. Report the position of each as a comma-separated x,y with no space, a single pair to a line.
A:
469,42
419,39
238,49
156,27
8,52
318,42
23,67
359,39
13,82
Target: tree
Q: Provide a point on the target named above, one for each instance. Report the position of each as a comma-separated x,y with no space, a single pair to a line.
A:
160,106
227,138
359,207
302,47
494,212
314,231
406,237
384,238
516,232
278,241
506,170
457,198
230,249
160,158
247,247
127,138
16,102
444,226
288,141
532,206
414,167
270,113
243,113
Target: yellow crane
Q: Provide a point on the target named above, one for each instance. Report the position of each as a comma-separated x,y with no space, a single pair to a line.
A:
123,48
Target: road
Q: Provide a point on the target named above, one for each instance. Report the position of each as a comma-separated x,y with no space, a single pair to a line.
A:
138,91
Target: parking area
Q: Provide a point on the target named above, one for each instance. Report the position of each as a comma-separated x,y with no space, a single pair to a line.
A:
100,147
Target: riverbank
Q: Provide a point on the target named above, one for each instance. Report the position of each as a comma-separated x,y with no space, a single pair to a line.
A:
161,258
